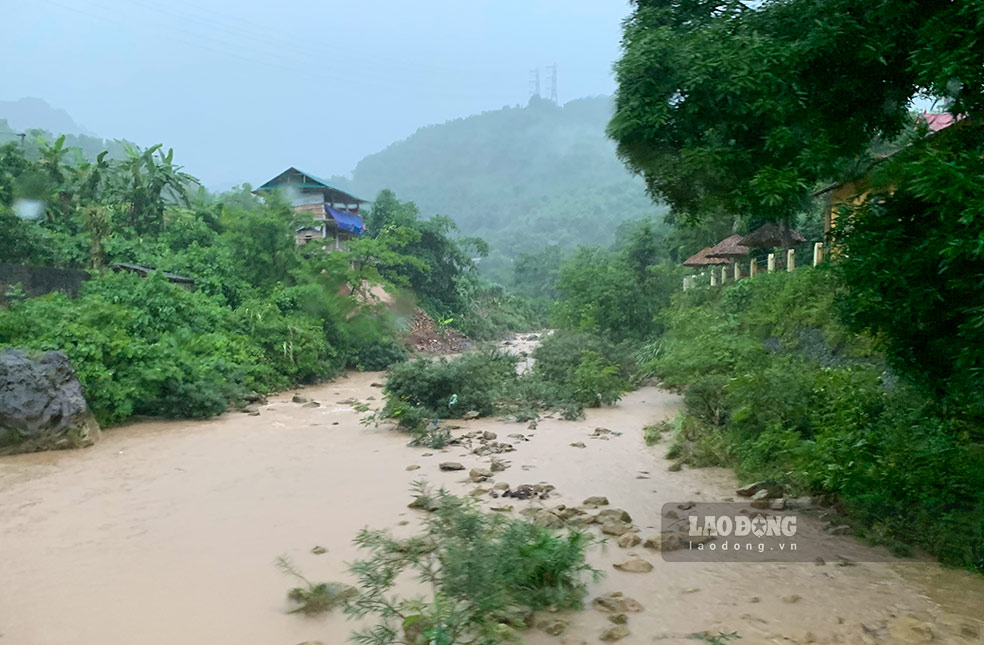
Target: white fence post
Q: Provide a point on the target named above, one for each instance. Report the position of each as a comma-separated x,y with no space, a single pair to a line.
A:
724,275
817,253
752,268
737,272
790,260
714,278
772,263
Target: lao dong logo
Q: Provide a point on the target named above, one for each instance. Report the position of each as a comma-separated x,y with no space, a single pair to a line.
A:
743,526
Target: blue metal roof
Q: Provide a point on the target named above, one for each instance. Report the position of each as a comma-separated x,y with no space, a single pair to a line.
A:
319,183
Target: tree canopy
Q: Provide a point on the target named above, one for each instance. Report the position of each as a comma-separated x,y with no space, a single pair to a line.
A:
726,105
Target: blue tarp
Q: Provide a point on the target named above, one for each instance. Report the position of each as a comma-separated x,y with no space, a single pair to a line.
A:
347,221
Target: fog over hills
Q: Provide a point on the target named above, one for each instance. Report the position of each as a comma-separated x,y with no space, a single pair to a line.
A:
27,113
522,177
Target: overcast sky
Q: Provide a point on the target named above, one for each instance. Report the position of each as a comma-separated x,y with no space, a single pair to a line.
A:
244,89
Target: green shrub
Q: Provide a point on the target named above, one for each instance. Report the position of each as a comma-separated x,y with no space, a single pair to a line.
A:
559,354
450,388
380,355
803,401
653,433
698,444
705,399
531,394
149,347
596,382
487,573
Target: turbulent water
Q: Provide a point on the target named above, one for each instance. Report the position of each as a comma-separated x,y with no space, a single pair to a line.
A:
166,533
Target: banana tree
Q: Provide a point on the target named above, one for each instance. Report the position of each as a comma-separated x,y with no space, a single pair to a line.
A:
146,183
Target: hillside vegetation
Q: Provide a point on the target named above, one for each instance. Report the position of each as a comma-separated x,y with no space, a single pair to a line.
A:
264,314
521,178
778,387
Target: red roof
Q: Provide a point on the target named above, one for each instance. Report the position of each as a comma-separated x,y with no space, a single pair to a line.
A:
939,121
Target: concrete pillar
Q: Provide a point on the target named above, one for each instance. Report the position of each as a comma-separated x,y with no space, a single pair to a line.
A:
686,282
753,267
737,272
790,260
714,278
772,263
817,253
724,275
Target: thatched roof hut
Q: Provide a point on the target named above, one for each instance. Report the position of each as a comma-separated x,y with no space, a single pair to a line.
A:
770,235
701,259
730,248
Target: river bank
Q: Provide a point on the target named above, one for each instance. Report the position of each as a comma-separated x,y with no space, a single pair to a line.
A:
166,532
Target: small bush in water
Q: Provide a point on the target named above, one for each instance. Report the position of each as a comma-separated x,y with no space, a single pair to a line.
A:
450,388
487,573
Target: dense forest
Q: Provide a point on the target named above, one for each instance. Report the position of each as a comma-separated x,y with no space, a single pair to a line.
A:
522,178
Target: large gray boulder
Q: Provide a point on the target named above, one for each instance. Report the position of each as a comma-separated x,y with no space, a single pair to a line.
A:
41,403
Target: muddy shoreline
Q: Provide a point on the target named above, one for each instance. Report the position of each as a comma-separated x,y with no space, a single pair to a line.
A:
166,532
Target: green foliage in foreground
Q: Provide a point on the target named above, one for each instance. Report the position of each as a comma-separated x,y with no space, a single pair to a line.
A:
781,390
487,574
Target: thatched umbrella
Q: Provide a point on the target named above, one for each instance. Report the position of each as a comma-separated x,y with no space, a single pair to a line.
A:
730,248
770,236
701,259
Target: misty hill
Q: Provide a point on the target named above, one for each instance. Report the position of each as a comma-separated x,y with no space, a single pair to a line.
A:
33,113
38,120
522,178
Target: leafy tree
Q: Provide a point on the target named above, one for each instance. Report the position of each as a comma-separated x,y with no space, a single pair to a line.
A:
913,256
618,293
387,210
148,180
536,274
420,254
730,106
264,242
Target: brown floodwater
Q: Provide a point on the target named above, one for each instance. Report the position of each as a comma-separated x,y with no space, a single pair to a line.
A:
166,533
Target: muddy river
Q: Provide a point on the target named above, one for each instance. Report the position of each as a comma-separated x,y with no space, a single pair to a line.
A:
166,533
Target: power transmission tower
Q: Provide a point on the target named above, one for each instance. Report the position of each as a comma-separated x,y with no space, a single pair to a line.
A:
553,83
535,82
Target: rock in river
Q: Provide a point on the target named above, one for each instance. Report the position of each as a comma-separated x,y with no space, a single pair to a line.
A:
41,403
451,465
553,626
614,633
634,565
616,602
480,474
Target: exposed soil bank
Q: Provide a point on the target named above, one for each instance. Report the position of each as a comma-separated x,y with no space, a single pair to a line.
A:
166,532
